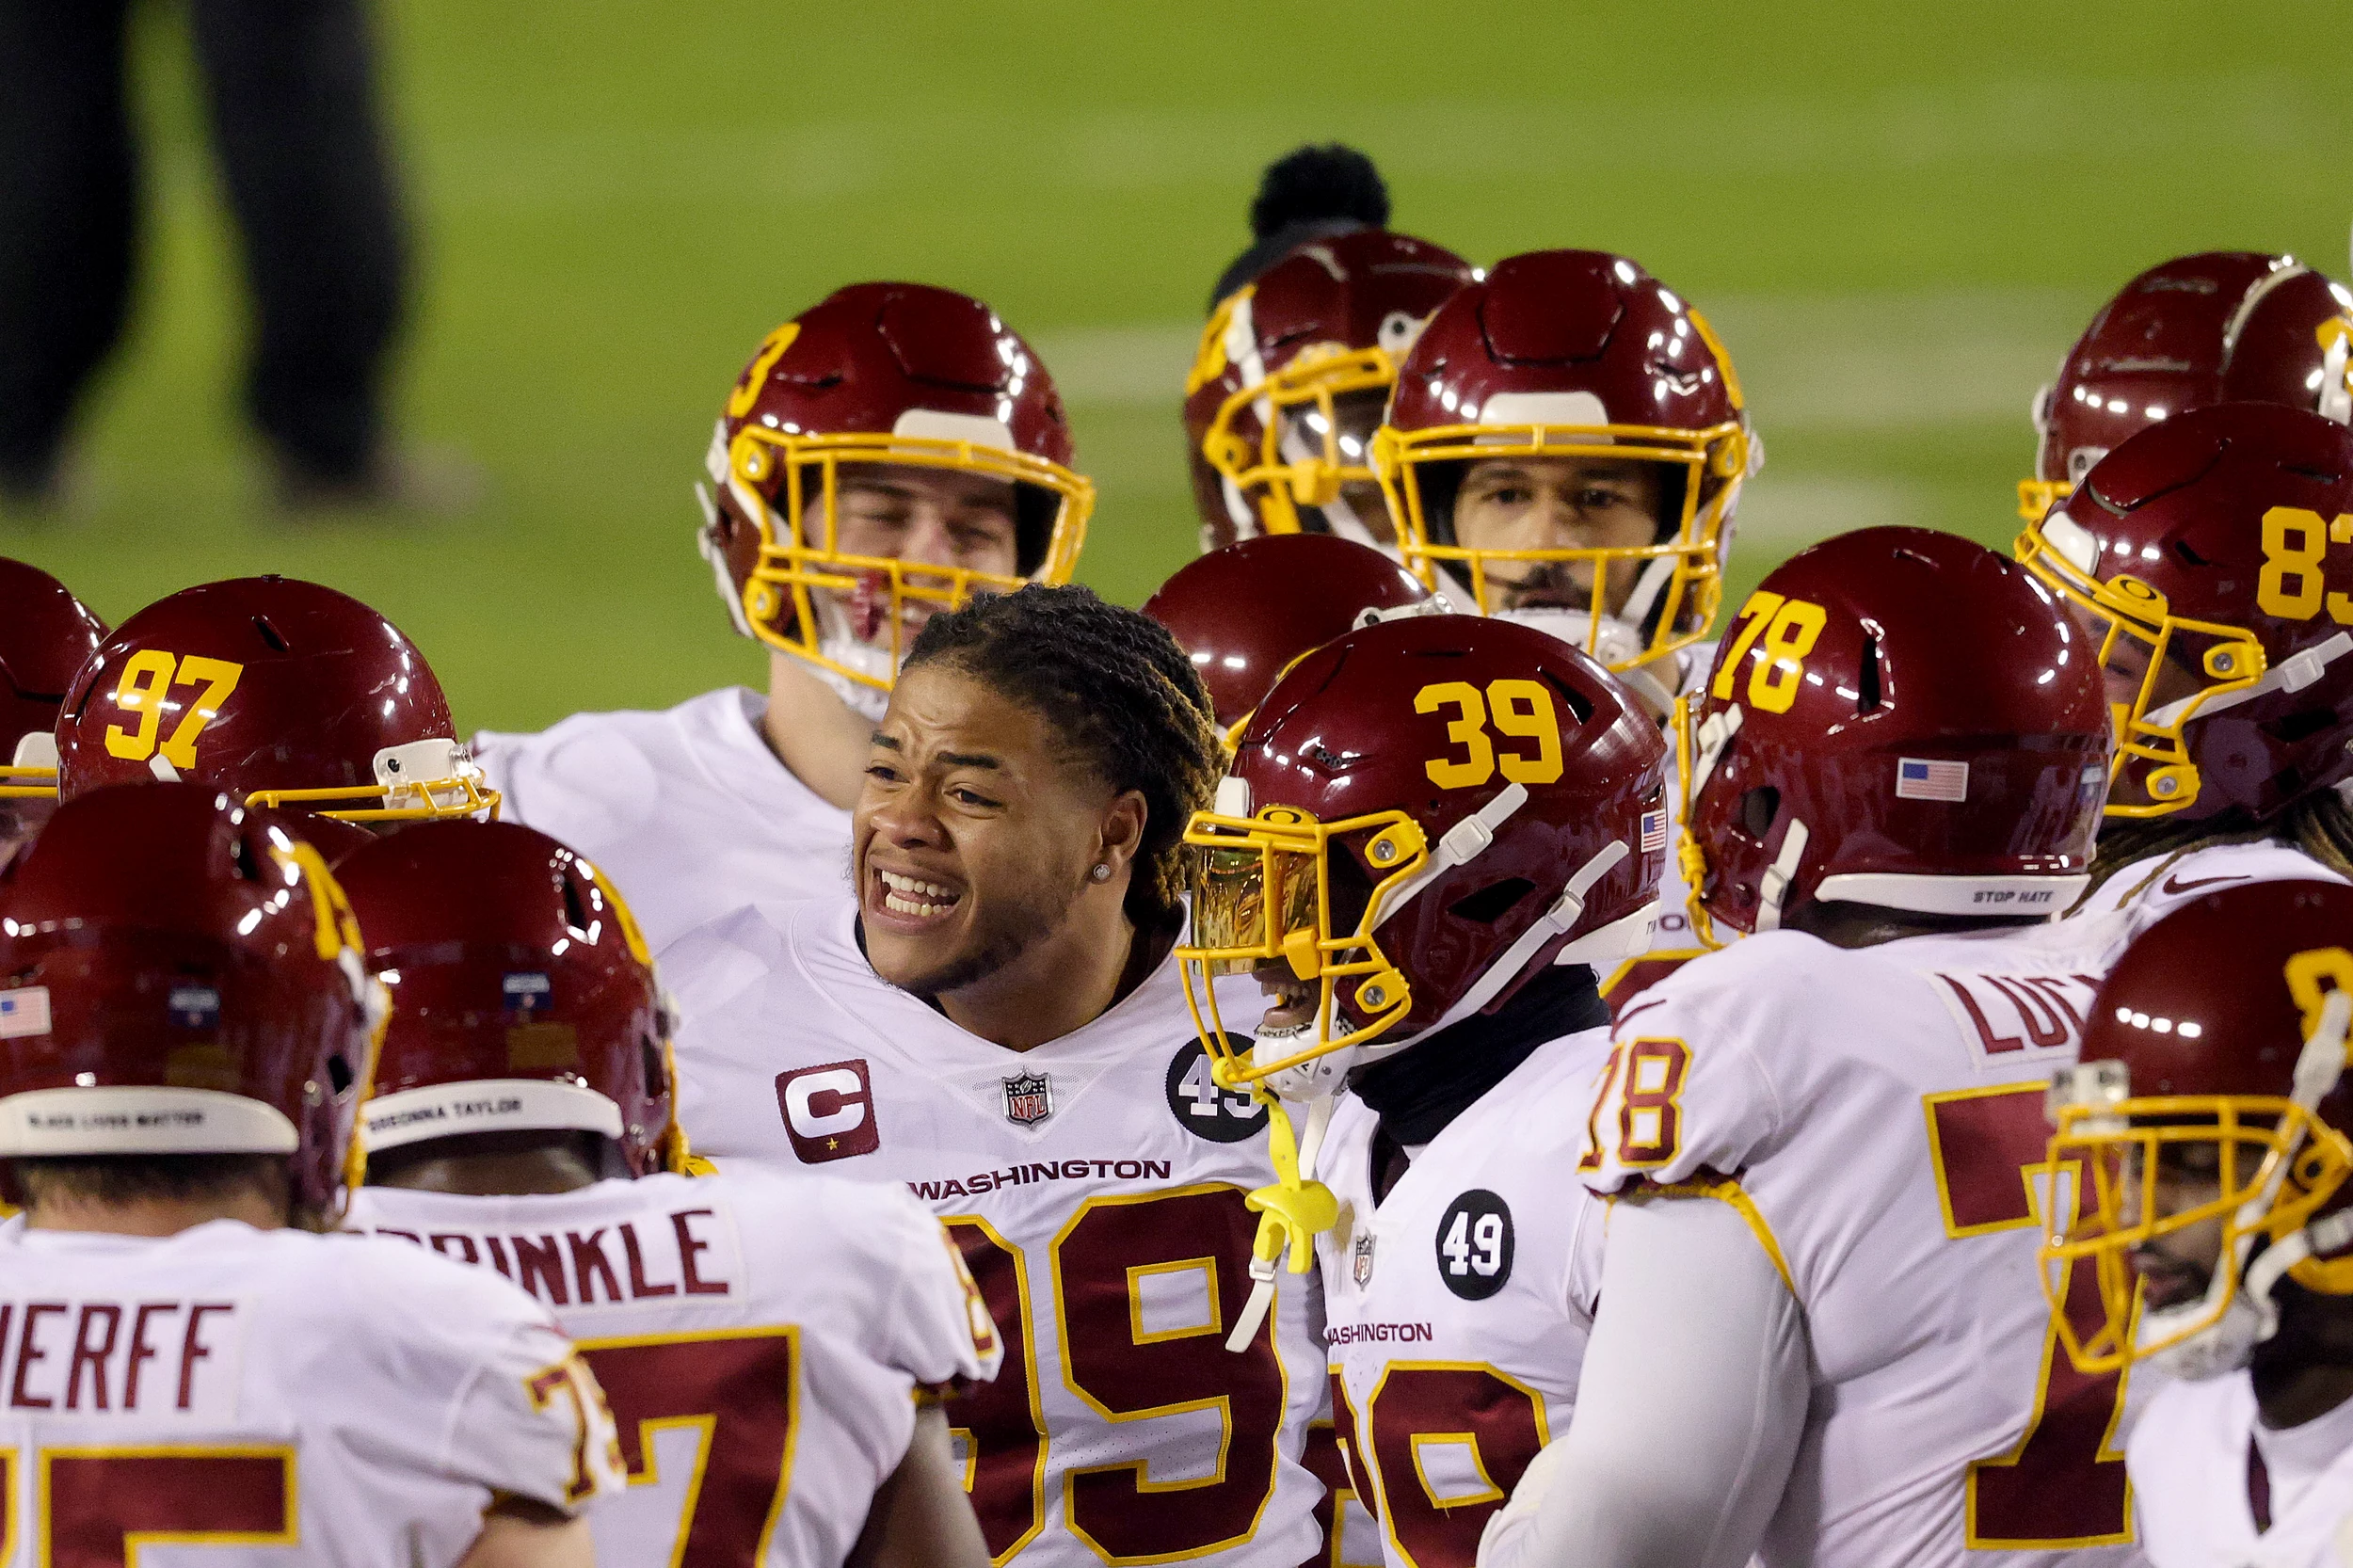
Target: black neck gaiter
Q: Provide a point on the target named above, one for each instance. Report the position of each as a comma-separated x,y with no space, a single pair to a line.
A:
1422,1088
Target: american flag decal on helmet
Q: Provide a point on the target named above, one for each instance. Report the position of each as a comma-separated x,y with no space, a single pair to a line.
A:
1654,831
1917,778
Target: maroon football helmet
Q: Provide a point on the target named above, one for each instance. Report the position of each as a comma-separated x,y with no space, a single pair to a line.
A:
1245,614
1422,815
2222,327
1291,380
2197,554
2223,1025
894,374
180,974
1900,718
280,691
1572,354
523,994
45,633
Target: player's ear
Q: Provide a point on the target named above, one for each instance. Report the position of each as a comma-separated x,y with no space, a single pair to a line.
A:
1122,829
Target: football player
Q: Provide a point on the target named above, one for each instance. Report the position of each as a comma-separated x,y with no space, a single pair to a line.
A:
2222,327
185,1033
1825,1141
279,693
1304,333
2211,1114
1246,613
994,1018
522,1093
1566,447
1431,835
2196,557
45,633
886,453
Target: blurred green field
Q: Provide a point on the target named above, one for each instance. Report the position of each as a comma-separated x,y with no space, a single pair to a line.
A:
1898,216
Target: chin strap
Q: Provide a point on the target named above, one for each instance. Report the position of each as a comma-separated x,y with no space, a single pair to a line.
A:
1774,885
2317,1069
1292,1212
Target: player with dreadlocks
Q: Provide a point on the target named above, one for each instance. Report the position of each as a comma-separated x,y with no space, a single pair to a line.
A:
992,1017
2196,558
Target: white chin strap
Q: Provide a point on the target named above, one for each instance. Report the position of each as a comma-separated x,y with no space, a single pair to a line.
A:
2290,675
1461,843
1338,513
707,502
1774,889
2250,1316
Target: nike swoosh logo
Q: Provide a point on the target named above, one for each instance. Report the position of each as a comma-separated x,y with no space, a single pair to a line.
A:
2173,885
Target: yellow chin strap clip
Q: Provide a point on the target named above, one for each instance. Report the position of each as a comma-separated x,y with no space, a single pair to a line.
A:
1292,1212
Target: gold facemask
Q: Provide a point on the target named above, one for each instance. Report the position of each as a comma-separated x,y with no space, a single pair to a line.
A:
1693,585
1261,894
1299,406
2142,641
792,569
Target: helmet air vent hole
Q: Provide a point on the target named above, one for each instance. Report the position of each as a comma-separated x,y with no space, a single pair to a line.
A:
339,1074
1868,684
1493,902
271,636
657,1079
2317,475
1571,699
575,908
1758,808
2188,556
242,859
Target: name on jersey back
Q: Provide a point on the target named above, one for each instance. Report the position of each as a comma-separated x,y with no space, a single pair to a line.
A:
146,1358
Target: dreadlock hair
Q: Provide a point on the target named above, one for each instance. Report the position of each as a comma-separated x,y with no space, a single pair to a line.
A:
2320,825
1118,690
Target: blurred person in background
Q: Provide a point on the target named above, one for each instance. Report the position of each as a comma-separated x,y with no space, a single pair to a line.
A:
292,97
887,454
1304,333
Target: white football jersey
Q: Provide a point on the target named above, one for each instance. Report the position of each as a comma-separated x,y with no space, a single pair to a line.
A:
2147,891
2196,1489
1877,1116
760,1341
1456,1310
1096,1185
687,810
274,1398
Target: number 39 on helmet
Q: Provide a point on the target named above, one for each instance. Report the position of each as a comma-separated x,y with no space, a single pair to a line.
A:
1422,815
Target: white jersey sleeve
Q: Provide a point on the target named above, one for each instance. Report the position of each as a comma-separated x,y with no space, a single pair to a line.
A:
941,1333
528,1420
687,810
1682,1099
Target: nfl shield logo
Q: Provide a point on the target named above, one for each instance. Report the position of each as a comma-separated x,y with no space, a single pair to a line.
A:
1362,1266
1029,1099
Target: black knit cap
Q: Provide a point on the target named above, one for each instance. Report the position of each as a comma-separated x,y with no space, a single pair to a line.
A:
1311,193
